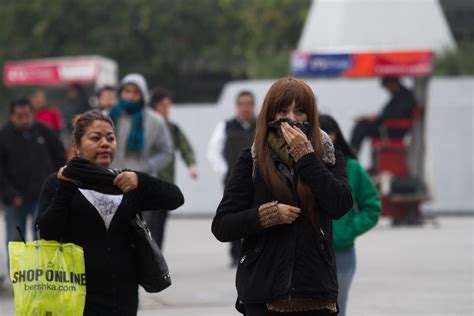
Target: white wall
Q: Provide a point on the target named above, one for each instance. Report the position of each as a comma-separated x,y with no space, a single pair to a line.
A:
450,150
449,135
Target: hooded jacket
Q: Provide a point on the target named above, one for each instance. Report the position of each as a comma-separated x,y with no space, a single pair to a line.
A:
158,149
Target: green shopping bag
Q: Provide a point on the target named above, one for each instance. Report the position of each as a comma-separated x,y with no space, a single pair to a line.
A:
48,278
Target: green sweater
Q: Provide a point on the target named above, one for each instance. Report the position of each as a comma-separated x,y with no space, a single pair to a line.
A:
365,213
181,144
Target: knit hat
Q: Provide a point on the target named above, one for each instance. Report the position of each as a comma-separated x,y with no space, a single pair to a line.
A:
140,82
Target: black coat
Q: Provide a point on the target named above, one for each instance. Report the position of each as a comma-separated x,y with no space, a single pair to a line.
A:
111,278
284,261
26,159
400,105
237,138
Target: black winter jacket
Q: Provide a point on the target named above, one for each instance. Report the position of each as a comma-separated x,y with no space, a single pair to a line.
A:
237,139
400,105
26,159
283,261
111,274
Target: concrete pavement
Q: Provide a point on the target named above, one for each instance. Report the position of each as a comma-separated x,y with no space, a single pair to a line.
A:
400,271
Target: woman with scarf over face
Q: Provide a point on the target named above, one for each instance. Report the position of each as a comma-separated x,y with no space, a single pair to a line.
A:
92,206
281,198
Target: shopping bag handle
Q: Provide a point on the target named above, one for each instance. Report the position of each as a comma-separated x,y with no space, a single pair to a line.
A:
21,234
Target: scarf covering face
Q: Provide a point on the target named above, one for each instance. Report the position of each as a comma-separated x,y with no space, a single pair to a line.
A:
279,146
91,176
303,126
277,143
136,139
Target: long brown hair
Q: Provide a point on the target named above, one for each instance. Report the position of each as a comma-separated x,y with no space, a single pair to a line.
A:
283,93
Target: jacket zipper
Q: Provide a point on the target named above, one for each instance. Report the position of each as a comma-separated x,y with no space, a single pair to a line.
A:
324,246
290,280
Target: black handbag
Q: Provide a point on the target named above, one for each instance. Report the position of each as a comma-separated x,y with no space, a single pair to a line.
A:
152,270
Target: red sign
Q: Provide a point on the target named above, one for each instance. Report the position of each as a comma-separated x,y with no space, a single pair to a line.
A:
364,64
50,71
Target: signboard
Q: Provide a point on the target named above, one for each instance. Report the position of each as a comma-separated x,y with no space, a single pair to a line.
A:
56,71
399,63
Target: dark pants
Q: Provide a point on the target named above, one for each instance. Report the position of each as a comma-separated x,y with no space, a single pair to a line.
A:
17,217
156,221
362,130
367,128
127,309
261,310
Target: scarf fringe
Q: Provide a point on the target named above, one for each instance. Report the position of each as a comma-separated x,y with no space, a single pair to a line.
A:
301,305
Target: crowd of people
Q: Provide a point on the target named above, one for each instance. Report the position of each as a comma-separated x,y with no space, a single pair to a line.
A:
295,197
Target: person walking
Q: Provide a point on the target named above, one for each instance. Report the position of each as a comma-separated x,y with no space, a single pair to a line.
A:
280,198
160,102
75,102
91,205
358,220
228,140
106,99
50,116
144,142
29,152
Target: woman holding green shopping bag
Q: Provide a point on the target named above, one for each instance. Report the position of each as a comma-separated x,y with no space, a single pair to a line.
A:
88,204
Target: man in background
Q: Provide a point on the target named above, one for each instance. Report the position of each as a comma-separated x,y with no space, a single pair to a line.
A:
75,102
227,142
29,152
400,105
106,99
161,102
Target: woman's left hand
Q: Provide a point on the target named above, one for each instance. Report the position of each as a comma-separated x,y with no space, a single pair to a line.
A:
126,181
293,135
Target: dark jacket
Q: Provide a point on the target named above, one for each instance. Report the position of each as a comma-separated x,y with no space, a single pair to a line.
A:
237,139
65,214
26,159
283,261
401,105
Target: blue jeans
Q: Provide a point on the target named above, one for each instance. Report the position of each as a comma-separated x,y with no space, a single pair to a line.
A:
346,266
16,216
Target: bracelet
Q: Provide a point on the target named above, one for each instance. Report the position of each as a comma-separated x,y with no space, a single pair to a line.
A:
269,215
301,149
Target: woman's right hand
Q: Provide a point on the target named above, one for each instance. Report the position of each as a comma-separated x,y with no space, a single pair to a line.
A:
62,177
288,213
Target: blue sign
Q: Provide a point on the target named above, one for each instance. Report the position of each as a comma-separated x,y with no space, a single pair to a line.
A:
320,65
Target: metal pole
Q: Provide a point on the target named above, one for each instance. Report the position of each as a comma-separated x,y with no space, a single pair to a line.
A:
418,143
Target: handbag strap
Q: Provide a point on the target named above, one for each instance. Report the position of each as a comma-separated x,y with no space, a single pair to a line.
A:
131,204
